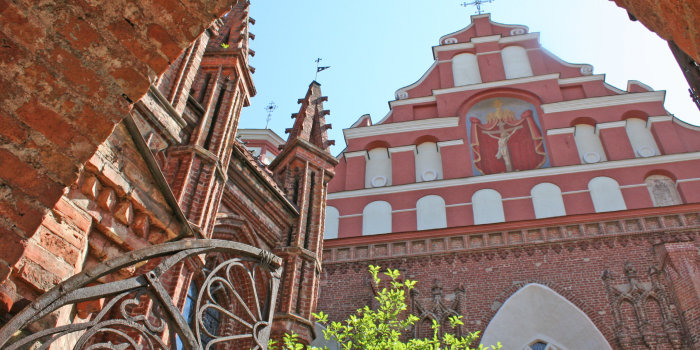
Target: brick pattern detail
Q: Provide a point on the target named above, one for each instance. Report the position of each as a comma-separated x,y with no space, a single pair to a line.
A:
570,259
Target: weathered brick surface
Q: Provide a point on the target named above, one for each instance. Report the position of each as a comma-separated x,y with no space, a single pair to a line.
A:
69,72
571,260
673,20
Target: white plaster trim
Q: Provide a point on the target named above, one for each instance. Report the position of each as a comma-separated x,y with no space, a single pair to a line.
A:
688,180
419,81
355,154
633,186
393,128
560,61
605,101
583,79
451,47
458,205
261,134
610,125
450,143
663,118
516,38
515,198
486,39
497,83
686,125
408,148
410,101
403,210
488,52
569,169
561,131
637,82
349,216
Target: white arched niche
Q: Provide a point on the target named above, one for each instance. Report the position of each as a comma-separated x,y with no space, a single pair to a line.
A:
641,139
465,69
331,223
536,312
516,62
428,162
606,194
430,213
487,207
547,201
590,149
662,190
378,168
376,218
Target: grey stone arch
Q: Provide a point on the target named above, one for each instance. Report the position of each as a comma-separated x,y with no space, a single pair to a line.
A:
540,313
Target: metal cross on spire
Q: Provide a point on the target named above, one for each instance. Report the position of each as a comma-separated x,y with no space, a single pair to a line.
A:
271,107
319,69
476,3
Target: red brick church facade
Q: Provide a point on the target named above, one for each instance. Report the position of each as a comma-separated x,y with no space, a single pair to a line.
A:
547,207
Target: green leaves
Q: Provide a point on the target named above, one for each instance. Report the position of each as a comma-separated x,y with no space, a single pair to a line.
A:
381,329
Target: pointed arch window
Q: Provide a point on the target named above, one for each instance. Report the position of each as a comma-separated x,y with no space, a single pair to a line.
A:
428,162
662,190
516,62
606,194
487,206
430,213
331,223
376,218
465,69
547,201
378,168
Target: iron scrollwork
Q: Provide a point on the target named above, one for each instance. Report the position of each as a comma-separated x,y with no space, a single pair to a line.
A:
138,312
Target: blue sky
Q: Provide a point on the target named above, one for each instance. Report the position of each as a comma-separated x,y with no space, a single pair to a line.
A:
376,47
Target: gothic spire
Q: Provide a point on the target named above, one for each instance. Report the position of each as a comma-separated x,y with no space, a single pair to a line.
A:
310,124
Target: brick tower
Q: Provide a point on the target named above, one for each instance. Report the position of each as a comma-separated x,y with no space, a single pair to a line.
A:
303,168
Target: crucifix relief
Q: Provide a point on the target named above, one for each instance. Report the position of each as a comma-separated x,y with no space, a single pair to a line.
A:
503,141
502,134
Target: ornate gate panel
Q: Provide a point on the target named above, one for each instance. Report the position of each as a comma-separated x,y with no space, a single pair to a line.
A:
240,292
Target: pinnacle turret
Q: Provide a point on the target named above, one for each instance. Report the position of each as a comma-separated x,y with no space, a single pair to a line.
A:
310,124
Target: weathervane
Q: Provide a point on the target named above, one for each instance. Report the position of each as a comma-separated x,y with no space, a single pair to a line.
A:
271,107
319,69
477,3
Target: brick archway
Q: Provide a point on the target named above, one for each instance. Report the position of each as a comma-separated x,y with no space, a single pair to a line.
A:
70,72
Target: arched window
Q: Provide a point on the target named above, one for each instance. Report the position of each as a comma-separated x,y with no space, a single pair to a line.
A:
331,223
378,168
641,139
210,318
662,190
606,194
515,62
430,213
428,162
465,69
590,149
547,201
487,207
376,218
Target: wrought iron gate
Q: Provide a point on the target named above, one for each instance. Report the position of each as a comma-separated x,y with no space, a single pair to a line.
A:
241,290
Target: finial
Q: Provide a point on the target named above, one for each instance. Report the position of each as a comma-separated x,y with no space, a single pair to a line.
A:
476,3
271,107
319,68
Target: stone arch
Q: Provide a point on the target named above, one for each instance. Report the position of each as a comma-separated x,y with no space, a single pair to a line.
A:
487,205
516,62
564,323
430,213
606,194
465,69
376,218
330,228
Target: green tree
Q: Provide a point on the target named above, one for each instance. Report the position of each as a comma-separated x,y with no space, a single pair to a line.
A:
381,329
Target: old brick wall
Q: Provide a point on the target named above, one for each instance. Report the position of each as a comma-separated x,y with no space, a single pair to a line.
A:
70,72
673,20
570,259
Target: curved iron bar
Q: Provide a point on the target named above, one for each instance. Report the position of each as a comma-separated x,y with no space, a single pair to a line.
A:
74,290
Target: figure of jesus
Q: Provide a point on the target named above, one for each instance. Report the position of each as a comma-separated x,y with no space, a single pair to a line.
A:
503,134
